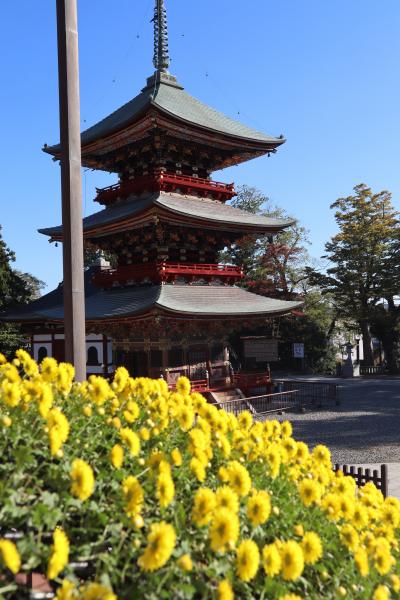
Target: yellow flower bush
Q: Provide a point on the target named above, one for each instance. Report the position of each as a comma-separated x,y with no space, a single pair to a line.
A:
125,489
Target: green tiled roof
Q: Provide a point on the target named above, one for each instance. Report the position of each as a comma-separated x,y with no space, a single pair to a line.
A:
211,211
171,98
191,300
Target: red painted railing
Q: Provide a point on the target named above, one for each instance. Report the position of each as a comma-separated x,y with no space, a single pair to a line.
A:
167,182
164,272
249,381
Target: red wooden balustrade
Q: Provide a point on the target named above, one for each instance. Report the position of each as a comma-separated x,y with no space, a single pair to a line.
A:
164,272
168,182
243,381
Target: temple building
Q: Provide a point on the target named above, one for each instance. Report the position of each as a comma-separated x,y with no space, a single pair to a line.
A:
167,306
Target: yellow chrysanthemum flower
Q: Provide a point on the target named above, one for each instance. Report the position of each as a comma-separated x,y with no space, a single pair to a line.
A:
310,492
259,508
120,380
247,560
96,591
165,489
225,497
381,593
10,555
82,479
312,547
239,478
59,554
322,455
395,581
176,457
224,530
57,420
330,504
225,591
204,504
183,386
144,434
99,389
67,591
117,456
161,542
272,561
361,560
49,369
245,420
185,418
349,537
131,439
10,393
134,496
185,563
198,469
292,560
383,560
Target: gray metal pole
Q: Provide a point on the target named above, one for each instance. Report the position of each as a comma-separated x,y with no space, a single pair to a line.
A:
71,187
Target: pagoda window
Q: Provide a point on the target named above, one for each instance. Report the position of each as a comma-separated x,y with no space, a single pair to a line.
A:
92,357
42,353
175,357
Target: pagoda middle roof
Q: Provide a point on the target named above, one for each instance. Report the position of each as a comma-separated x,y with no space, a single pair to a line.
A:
135,301
205,211
165,94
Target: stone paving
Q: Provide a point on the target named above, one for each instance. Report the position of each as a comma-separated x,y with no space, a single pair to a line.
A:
363,430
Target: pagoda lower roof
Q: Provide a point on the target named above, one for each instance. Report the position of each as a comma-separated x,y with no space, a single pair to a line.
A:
174,208
164,94
179,301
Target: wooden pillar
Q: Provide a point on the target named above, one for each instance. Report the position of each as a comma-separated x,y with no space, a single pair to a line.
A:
71,186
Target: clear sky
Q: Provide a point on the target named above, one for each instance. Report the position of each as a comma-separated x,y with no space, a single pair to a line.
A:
325,74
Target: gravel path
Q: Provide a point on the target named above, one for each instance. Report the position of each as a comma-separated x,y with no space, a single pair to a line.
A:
364,428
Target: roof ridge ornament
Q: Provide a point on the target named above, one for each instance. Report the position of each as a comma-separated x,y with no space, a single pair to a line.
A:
161,59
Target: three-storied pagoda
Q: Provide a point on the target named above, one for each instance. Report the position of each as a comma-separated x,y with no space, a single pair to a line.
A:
168,306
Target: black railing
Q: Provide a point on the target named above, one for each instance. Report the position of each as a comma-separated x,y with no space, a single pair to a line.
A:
310,393
362,475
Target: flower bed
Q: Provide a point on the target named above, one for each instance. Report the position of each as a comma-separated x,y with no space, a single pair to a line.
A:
129,490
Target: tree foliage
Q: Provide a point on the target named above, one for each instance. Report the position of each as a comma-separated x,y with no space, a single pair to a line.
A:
278,267
16,288
273,266
364,261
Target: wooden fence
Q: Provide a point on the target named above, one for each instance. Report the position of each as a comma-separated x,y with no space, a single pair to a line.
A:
363,475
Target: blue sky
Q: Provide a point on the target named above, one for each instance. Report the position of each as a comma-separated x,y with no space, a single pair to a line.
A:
325,74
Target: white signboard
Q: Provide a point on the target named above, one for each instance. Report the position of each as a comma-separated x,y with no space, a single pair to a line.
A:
261,349
298,350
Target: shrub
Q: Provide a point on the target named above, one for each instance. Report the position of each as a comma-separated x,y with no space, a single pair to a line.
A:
129,490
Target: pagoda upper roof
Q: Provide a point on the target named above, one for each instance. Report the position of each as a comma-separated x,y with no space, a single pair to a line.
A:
176,208
135,301
164,94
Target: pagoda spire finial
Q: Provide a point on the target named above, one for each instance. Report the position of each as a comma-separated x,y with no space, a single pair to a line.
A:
161,58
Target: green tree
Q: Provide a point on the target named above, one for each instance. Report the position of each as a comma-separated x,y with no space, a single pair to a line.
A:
314,328
363,258
16,288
